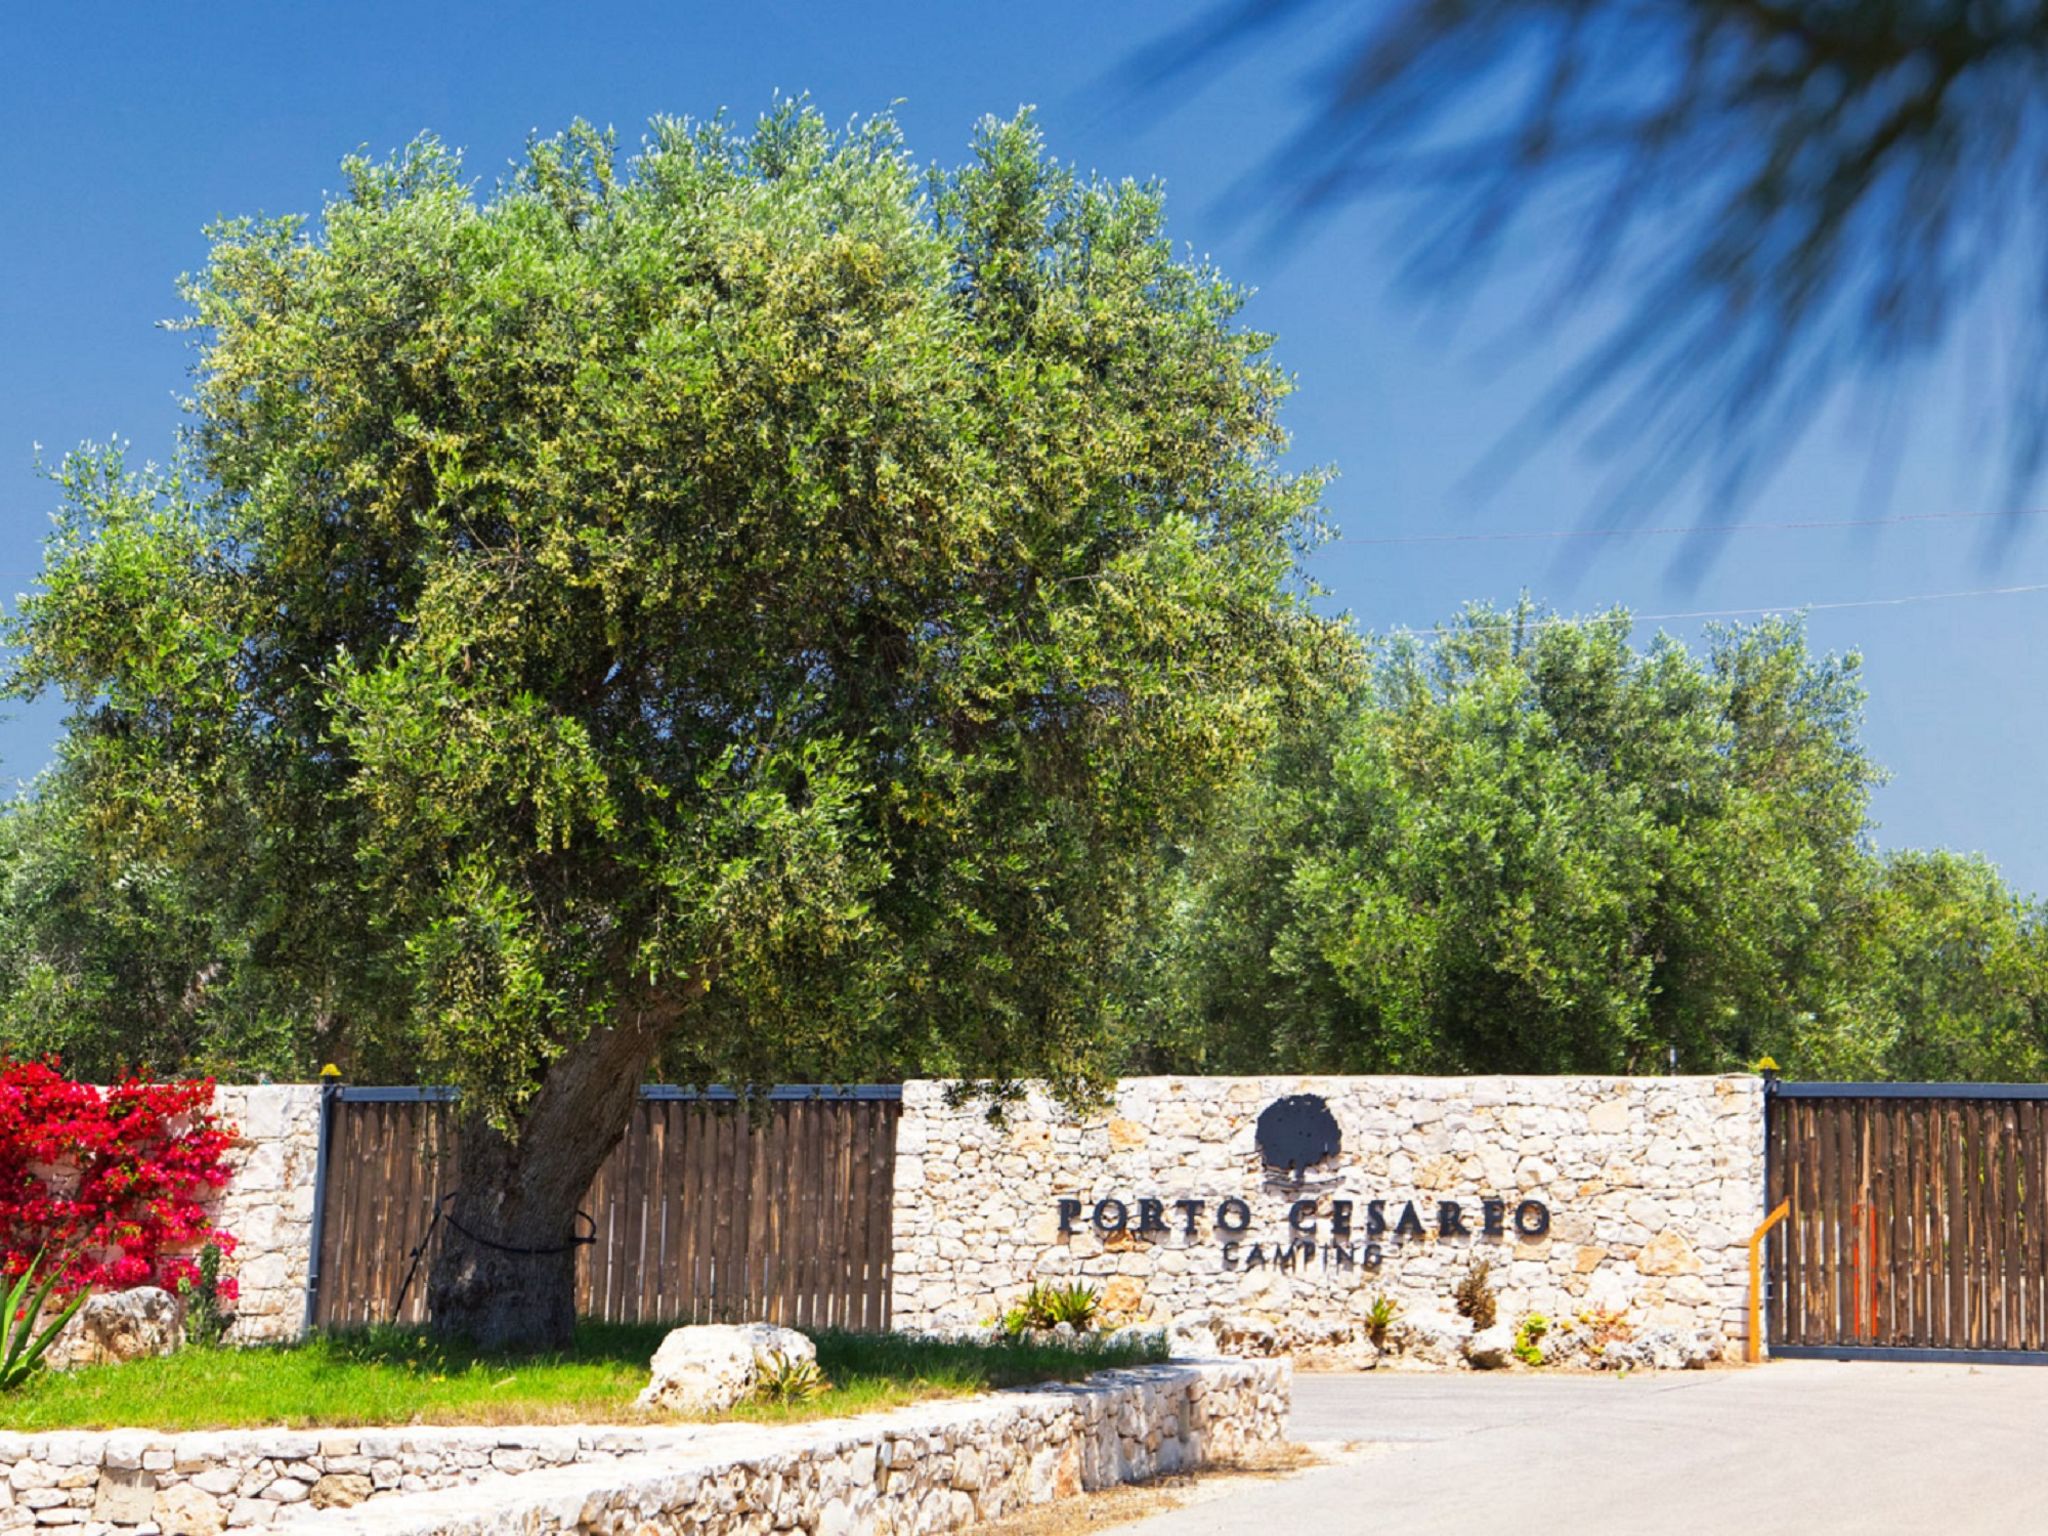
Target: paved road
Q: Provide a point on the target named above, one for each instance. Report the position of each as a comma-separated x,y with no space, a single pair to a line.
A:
1798,1446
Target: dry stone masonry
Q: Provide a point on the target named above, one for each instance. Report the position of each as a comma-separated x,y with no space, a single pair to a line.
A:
1589,1196
202,1484
928,1468
268,1204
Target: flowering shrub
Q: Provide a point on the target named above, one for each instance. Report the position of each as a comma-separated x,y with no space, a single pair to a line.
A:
109,1180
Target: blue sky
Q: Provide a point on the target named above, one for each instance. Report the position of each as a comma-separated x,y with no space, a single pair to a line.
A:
125,128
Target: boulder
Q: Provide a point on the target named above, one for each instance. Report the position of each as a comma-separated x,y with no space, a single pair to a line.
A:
1430,1338
127,1325
709,1367
1491,1349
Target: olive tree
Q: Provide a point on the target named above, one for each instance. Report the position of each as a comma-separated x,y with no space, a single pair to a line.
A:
750,608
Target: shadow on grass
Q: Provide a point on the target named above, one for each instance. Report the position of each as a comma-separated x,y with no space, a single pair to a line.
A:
844,1357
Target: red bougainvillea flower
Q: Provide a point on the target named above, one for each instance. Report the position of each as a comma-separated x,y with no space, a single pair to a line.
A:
116,1180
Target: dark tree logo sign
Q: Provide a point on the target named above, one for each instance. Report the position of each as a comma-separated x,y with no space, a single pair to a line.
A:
1298,1132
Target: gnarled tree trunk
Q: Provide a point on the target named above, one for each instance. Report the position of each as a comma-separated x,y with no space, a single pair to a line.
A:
506,1275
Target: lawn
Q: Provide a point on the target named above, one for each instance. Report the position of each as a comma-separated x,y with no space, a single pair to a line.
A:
401,1376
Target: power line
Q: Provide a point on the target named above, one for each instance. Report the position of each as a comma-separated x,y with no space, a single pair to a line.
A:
1552,534
1745,613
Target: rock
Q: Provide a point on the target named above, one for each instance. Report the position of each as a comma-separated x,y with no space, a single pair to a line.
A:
128,1325
1191,1335
1668,1253
1134,1333
1123,1298
1566,1344
183,1510
340,1490
709,1367
1430,1338
126,1496
1662,1349
1240,1335
1491,1348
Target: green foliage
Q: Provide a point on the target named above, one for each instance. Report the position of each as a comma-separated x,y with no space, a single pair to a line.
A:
751,593
1075,1305
1474,1297
1530,846
206,1320
22,1347
1047,1306
1944,976
1529,1333
135,963
1379,1317
784,1378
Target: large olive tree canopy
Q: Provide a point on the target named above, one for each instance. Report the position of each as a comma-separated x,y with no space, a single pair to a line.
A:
750,607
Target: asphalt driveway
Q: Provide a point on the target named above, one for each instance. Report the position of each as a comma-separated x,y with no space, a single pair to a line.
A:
1797,1446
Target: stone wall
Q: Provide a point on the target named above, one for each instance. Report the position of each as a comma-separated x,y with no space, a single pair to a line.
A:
1632,1195
268,1203
198,1484
930,1467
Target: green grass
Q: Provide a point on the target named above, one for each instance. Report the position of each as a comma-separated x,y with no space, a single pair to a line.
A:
400,1376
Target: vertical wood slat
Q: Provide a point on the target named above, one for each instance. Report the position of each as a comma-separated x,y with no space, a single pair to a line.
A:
2034,1207
860,1306
1956,1235
657,1280
704,1127
1916,1215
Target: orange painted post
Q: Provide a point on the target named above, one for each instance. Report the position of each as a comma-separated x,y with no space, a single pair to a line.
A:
1754,1344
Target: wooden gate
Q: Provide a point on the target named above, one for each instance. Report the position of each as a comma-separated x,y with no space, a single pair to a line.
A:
1919,1221
701,1213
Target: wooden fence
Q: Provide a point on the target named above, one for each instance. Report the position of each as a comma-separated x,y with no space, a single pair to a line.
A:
1919,1219
702,1213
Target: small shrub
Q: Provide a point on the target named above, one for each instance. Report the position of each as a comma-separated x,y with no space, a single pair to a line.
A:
1047,1306
1529,1338
1075,1305
1475,1297
206,1319
21,1347
1379,1317
787,1378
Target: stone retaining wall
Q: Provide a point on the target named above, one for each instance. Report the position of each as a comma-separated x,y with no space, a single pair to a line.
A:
1630,1195
930,1467
199,1484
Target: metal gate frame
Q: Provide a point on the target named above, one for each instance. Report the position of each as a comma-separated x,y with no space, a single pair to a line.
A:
1776,1089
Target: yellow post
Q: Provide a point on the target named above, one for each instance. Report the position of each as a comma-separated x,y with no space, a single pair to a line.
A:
1756,1279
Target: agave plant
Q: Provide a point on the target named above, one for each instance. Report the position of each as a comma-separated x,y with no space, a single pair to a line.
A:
1074,1305
786,1378
21,1347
